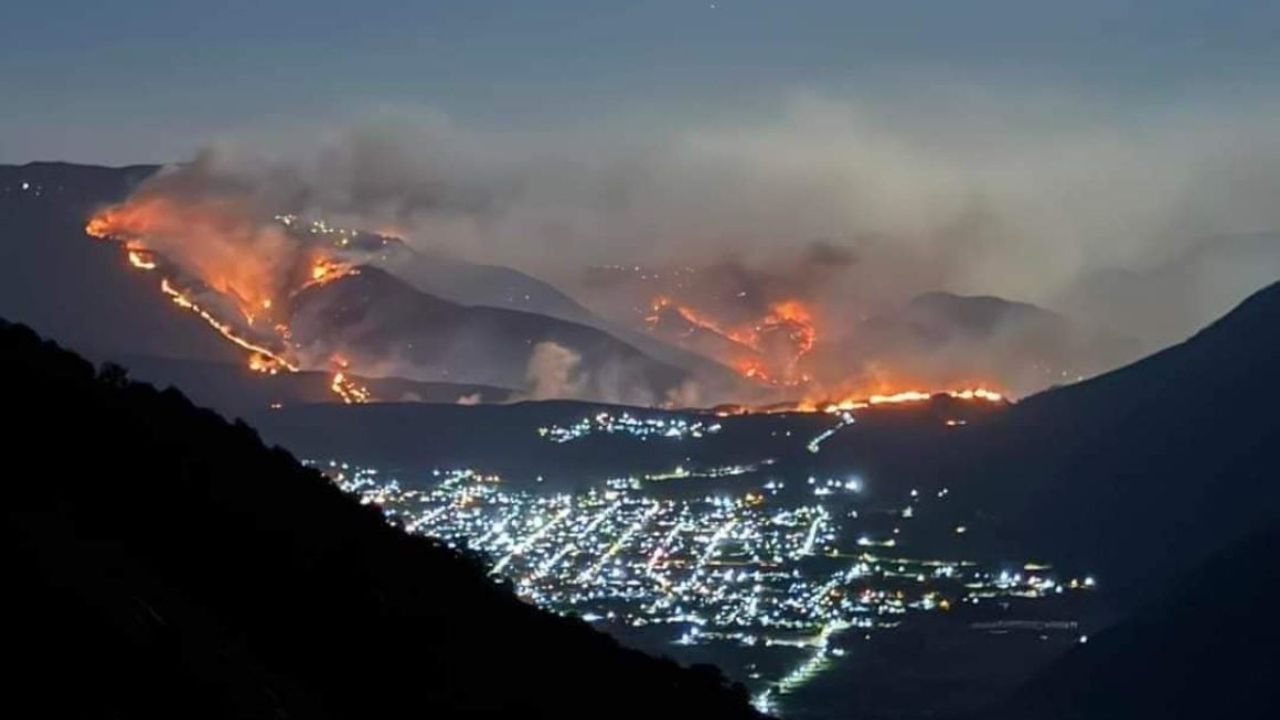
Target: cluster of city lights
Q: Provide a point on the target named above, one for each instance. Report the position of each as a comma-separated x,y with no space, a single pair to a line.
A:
745,569
672,428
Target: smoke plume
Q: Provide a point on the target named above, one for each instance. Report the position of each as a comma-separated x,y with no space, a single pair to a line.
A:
851,208
553,372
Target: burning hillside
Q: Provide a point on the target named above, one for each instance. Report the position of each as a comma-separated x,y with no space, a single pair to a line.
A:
769,349
293,295
240,279
840,405
785,353
797,328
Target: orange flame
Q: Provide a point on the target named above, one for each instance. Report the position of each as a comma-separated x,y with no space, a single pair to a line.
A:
216,240
100,225
142,260
791,318
229,254
978,394
325,270
352,393
261,359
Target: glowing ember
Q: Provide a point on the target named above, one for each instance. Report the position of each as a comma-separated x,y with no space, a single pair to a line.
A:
325,270
142,260
778,342
100,225
904,397
258,268
351,392
130,222
261,359
796,319
695,319
978,394
214,239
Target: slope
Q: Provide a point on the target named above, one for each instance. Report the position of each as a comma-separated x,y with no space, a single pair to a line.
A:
1141,473
1206,648
165,563
373,316
55,278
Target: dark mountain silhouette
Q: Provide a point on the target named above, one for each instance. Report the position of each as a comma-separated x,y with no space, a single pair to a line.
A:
56,278
1139,474
958,338
1157,478
443,275
1205,648
1165,302
973,315
1152,478
165,563
440,273
373,317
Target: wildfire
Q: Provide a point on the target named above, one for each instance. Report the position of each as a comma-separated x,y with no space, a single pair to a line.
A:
261,359
770,362
862,402
794,319
751,368
696,321
142,260
325,270
257,269
904,397
100,225
132,221
352,393
775,347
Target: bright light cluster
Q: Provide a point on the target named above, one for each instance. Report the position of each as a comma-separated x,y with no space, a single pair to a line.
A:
670,428
747,569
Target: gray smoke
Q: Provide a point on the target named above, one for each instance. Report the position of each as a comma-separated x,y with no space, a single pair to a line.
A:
554,372
1044,202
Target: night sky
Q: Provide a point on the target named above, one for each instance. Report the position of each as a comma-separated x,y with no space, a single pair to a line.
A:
147,80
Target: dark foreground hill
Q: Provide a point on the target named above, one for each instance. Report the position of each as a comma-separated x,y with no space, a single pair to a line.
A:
1140,474
1160,477
165,563
1206,648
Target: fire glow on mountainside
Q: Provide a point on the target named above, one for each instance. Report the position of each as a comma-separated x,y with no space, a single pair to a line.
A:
241,277
264,338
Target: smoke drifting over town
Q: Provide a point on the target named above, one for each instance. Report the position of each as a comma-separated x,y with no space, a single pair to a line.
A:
847,208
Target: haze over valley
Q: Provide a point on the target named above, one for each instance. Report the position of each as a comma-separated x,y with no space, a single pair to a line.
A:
811,360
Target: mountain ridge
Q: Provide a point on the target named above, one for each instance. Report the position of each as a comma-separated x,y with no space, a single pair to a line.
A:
173,556
1184,654
1163,460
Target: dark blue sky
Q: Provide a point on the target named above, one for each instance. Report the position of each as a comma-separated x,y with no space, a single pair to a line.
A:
146,80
